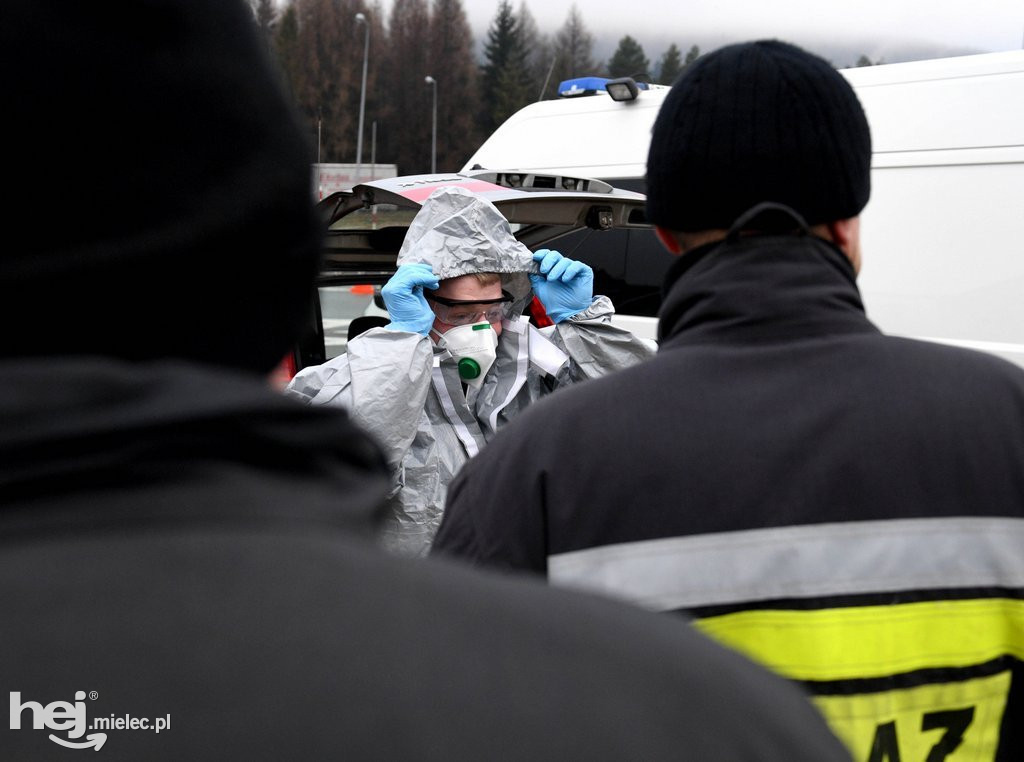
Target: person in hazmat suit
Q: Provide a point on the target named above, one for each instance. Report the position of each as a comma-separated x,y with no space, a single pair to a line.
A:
460,358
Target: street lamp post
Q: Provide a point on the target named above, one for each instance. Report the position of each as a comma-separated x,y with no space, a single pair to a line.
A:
361,19
433,135
373,150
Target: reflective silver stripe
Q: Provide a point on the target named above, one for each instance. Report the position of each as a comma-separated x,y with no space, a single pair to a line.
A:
448,405
801,561
520,327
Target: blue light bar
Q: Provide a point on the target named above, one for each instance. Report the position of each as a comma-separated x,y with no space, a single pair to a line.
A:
581,86
571,88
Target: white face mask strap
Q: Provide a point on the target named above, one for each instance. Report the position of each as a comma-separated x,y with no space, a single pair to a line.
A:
441,342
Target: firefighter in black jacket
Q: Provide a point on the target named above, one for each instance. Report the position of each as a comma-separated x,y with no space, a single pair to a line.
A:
842,505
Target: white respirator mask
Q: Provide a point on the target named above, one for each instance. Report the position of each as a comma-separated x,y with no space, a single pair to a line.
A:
474,348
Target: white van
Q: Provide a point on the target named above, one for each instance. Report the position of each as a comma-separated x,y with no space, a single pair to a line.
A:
942,238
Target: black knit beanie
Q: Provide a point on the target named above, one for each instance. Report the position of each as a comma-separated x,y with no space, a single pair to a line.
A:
158,185
755,122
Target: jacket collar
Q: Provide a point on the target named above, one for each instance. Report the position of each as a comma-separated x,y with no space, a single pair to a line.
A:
761,288
90,431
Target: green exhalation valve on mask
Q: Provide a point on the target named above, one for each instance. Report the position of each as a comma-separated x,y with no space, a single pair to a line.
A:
468,368
473,347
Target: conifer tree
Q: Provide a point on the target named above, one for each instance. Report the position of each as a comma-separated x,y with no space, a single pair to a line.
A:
405,128
321,77
574,46
692,55
629,61
455,70
319,49
286,42
538,51
504,75
671,65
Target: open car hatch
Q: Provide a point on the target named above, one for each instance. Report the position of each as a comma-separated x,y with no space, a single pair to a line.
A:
366,225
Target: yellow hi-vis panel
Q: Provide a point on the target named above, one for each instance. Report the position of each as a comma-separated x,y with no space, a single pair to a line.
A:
944,719
874,641
957,722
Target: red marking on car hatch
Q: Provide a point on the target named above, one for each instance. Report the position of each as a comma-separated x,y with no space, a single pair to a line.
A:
477,186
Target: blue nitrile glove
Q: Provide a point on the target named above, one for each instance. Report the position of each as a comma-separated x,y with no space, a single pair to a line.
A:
403,296
564,286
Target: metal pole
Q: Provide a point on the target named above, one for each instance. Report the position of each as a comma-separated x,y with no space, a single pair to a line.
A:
545,85
361,19
373,150
433,138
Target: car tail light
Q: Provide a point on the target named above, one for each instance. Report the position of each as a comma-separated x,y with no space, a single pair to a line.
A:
538,315
283,373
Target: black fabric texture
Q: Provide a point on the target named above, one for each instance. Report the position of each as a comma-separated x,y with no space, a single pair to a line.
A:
758,122
85,425
188,543
773,401
164,204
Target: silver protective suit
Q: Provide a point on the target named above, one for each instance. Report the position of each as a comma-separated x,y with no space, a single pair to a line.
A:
407,392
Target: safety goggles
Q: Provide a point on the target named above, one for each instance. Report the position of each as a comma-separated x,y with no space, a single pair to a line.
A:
462,312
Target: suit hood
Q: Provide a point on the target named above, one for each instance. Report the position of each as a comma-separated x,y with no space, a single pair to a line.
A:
458,233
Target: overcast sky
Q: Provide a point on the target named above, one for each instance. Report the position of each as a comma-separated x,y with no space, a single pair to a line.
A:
891,29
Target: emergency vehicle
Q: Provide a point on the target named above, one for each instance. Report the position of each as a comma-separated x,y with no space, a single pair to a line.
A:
941,235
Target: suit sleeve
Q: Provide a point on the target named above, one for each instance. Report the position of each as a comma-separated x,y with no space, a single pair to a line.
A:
595,346
383,381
